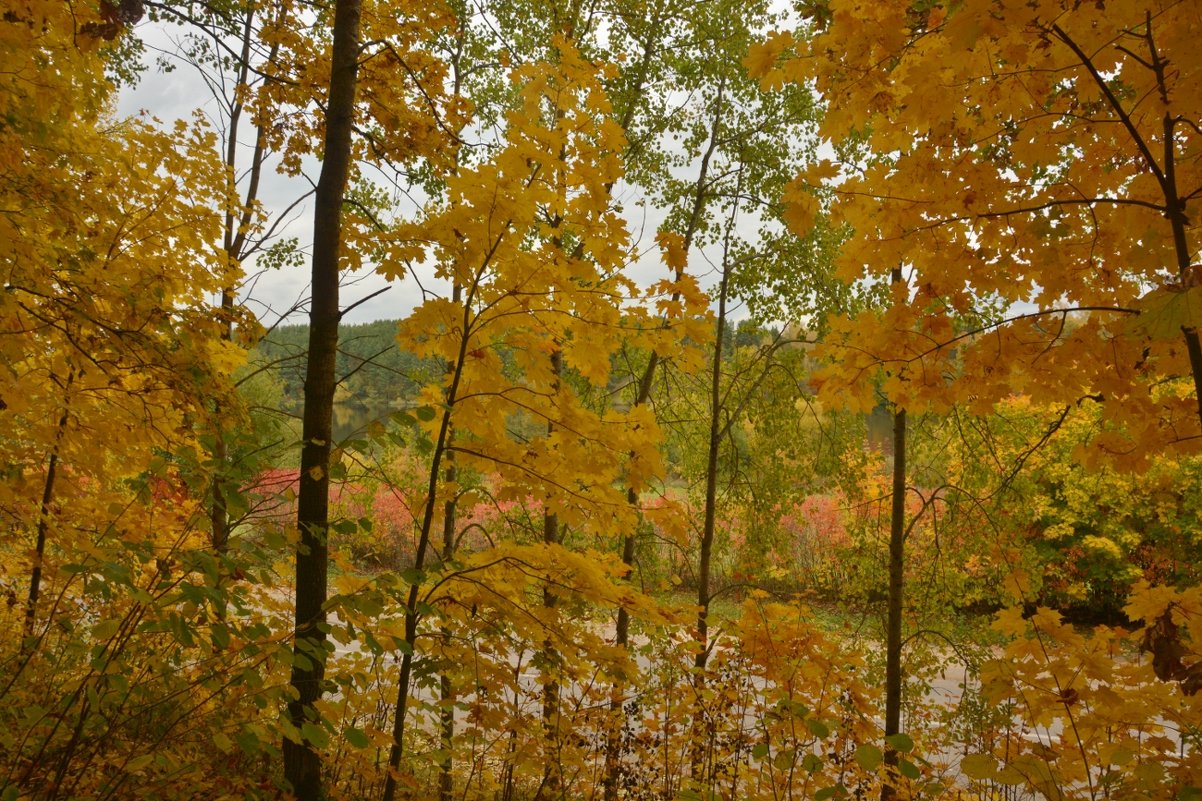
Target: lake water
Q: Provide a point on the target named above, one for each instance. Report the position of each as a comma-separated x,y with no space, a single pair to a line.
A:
350,421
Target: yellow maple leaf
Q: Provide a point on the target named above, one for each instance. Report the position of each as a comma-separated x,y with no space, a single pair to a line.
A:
801,207
672,249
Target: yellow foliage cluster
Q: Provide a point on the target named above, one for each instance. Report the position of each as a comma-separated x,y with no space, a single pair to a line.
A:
112,358
1088,717
1042,156
536,251
144,661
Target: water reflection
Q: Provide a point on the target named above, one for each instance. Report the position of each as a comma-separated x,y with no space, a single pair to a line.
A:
351,421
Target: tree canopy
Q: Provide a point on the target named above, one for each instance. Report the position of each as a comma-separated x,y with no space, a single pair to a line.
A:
621,517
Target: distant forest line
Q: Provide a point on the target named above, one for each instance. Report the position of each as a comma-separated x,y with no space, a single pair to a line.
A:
375,373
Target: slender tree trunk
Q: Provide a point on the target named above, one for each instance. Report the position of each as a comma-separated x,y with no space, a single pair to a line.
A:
446,685
35,575
709,523
893,625
219,516
613,765
412,616
613,744
302,763
39,552
702,729
700,734
219,520
233,242
552,779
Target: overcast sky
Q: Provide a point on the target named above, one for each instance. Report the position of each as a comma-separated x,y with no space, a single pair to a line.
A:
270,294
176,95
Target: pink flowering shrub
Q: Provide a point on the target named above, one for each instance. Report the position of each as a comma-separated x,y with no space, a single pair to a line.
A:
376,517
815,532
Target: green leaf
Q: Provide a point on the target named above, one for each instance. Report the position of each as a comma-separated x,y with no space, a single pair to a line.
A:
812,763
978,766
139,763
248,741
792,707
1189,794
105,629
315,734
783,759
372,643
1011,776
33,713
220,635
424,413
909,769
868,756
368,603
10,793
1164,311
357,737
818,728
759,751
900,743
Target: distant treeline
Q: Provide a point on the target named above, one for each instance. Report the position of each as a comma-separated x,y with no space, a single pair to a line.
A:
373,371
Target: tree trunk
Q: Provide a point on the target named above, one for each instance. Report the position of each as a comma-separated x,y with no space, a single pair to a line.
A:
446,685
700,730
551,785
893,625
302,763
233,244
39,553
412,616
711,485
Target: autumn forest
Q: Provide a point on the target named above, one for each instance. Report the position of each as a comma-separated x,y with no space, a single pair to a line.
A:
771,400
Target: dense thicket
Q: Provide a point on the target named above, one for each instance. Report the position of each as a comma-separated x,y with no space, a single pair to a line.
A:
974,220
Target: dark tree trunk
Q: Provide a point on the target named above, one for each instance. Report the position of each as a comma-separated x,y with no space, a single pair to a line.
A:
711,484
35,575
446,685
442,449
302,763
893,627
701,728
39,553
551,785
897,553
